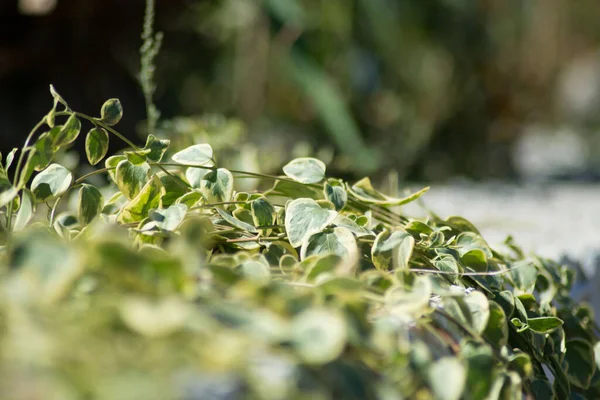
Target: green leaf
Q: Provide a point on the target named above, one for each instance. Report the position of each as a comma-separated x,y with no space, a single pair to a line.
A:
96,145
217,186
90,203
194,176
198,155
524,274
236,222
7,195
111,112
256,271
521,362
263,214
157,148
137,157
447,378
68,133
305,170
130,179
544,324
469,241
447,263
10,157
173,188
168,219
392,247
43,153
51,182
475,259
147,199
480,362
520,325
342,221
480,310
542,389
335,192
339,241
496,330
111,163
401,301
507,301
363,190
319,335
26,210
295,190
304,218
580,359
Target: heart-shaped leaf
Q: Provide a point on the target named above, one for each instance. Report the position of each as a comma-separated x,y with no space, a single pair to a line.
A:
51,182
305,170
130,179
304,218
339,241
198,154
217,186
157,148
147,199
392,249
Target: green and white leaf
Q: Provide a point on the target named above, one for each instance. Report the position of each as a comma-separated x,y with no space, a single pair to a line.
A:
217,186
339,241
263,214
304,218
96,145
130,179
305,170
198,154
51,182
111,112
90,203
363,190
26,210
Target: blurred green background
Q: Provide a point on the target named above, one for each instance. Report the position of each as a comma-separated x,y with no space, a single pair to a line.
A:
432,89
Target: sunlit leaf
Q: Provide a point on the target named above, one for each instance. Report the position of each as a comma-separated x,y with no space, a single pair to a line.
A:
338,241
26,210
305,170
199,155
304,218
96,145
217,186
51,182
130,179
364,191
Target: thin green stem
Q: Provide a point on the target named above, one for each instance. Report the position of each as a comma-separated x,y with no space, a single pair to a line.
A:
96,172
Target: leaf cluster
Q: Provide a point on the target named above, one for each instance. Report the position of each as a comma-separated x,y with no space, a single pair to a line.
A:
170,283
